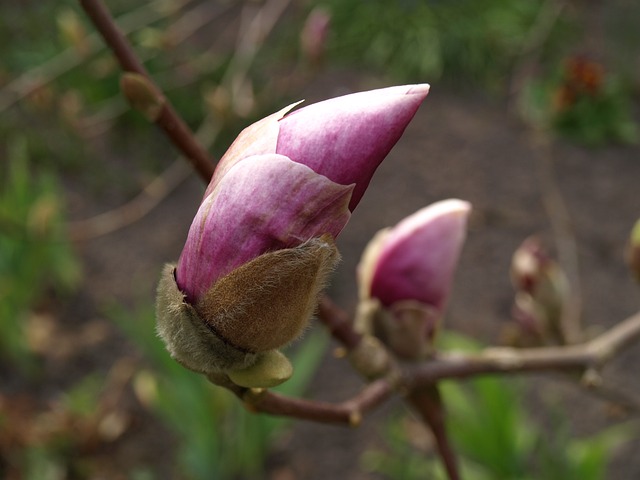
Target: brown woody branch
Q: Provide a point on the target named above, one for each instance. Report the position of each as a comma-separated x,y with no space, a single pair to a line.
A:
338,323
428,403
349,412
587,357
167,119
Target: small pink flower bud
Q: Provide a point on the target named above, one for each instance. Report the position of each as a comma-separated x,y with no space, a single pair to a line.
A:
416,259
529,265
541,291
261,246
405,276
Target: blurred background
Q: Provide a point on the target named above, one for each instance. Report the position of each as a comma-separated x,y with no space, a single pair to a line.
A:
94,200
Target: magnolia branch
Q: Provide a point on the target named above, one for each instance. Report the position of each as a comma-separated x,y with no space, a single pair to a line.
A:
586,358
349,412
589,356
167,118
338,323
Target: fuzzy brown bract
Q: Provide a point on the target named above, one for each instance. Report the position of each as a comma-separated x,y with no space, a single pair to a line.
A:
187,337
267,302
260,306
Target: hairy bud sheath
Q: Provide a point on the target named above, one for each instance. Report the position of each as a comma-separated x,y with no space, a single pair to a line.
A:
242,314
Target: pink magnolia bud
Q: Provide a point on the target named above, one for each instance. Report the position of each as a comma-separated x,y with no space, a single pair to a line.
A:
541,292
405,277
416,259
305,168
530,264
261,245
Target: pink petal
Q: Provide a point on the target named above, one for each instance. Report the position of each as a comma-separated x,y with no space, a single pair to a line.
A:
419,255
258,138
346,138
263,203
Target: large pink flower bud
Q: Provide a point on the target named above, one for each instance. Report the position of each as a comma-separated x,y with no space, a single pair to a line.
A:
290,177
261,245
408,270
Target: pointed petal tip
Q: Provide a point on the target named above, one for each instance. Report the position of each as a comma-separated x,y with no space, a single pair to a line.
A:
452,207
420,89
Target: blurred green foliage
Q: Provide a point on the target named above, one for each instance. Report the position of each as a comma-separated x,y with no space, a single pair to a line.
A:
35,255
68,82
466,41
218,437
497,439
479,43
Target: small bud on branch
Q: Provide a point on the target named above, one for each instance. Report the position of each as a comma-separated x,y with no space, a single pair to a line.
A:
406,273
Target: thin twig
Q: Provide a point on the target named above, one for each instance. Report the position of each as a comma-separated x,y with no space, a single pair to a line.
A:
168,119
178,32
175,174
338,323
349,412
428,403
573,358
589,356
579,358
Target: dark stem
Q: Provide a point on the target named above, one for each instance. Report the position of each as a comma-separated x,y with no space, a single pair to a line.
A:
349,412
169,120
416,379
338,323
428,403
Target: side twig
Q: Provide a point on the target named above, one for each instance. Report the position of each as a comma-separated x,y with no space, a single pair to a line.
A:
577,358
591,355
338,323
428,403
349,412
